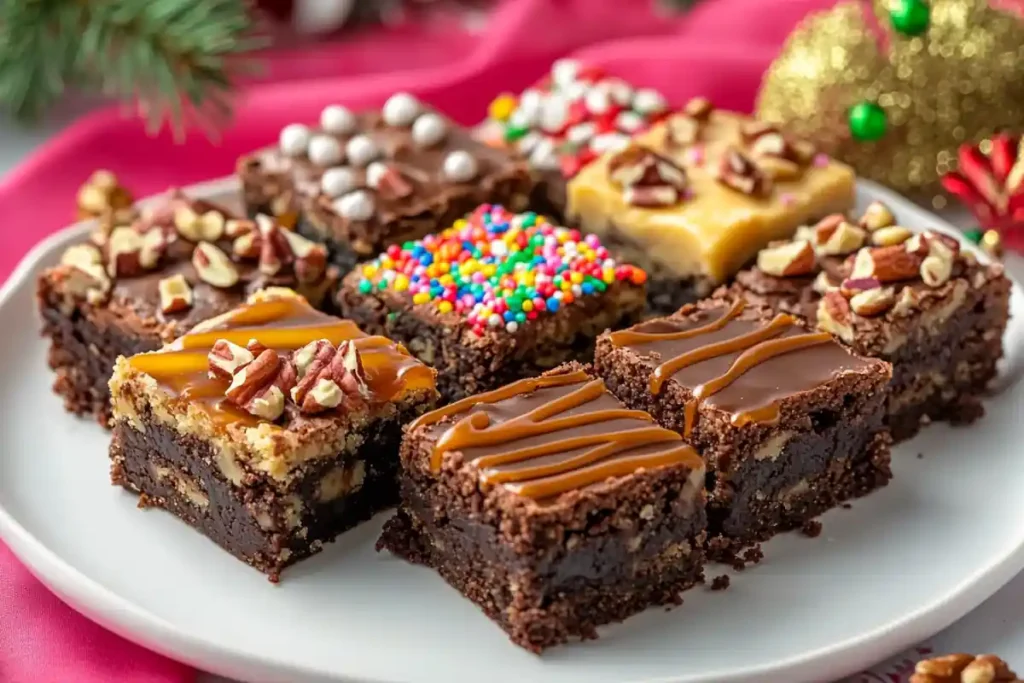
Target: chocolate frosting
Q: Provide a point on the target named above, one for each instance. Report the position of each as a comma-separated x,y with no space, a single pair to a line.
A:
544,436
740,364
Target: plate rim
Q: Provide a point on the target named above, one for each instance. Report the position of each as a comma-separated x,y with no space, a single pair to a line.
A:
135,623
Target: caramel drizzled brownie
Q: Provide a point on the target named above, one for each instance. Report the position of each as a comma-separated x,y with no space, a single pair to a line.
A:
361,182
562,123
497,297
145,277
916,300
788,421
270,428
693,199
551,506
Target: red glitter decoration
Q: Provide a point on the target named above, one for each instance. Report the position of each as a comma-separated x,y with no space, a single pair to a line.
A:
992,186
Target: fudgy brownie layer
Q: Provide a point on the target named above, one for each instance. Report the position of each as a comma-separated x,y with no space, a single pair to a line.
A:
255,522
587,577
82,353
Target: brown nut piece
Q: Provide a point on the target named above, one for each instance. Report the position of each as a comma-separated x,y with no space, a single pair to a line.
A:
738,172
682,131
888,264
853,286
835,315
225,358
964,668
328,376
872,302
936,271
199,227
124,253
213,266
788,259
102,195
85,276
253,376
844,238
876,216
175,294
699,108
890,236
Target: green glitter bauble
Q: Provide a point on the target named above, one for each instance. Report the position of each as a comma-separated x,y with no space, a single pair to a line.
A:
910,17
867,121
974,236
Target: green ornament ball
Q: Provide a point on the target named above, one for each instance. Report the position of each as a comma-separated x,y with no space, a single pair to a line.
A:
910,17
867,121
974,235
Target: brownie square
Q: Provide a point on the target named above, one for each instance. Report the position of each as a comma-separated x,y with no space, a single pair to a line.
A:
270,429
495,298
551,506
789,422
915,300
138,284
693,199
562,123
362,182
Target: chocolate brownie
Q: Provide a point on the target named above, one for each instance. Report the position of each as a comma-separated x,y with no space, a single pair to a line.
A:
918,301
789,422
362,182
495,298
270,428
146,278
551,506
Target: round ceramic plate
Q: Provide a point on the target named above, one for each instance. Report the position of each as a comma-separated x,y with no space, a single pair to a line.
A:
897,567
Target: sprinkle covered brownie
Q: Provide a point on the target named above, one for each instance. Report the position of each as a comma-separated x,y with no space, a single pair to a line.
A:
788,421
916,300
496,297
146,277
694,198
551,506
567,120
363,181
270,428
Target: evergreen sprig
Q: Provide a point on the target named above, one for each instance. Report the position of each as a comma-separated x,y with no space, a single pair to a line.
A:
167,57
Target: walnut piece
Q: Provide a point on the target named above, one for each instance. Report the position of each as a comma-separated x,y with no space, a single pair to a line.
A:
964,668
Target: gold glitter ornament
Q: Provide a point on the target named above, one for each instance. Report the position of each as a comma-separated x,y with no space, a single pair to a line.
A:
960,80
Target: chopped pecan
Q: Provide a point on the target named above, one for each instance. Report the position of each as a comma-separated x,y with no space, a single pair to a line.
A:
124,253
213,266
196,225
102,196
964,668
259,383
682,131
872,302
835,315
175,294
85,275
740,173
226,358
648,178
328,376
876,217
838,238
891,235
887,264
852,286
388,181
788,259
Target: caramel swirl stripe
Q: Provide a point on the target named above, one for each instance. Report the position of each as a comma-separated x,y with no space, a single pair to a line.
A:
580,435
283,325
718,355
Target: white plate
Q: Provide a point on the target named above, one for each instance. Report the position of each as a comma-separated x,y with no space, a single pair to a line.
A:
901,565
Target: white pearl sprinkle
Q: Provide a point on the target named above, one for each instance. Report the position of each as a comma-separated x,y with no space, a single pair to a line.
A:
338,120
598,100
338,181
324,150
621,92
564,71
428,130
375,172
554,115
544,155
401,109
356,206
609,142
647,101
294,139
528,108
511,326
629,121
526,143
361,150
494,320
575,91
460,166
581,132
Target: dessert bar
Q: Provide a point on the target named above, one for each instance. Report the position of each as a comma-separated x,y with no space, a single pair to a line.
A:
141,281
270,428
551,506
495,298
788,421
693,199
915,300
360,182
568,119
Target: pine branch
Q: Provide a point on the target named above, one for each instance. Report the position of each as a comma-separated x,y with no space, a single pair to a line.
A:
165,56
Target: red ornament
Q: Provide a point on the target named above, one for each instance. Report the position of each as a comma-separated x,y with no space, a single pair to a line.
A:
992,186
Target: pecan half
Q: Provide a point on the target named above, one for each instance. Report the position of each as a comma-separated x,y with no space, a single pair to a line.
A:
738,172
788,259
196,226
964,668
836,316
872,302
213,266
259,382
328,377
887,264
225,358
647,178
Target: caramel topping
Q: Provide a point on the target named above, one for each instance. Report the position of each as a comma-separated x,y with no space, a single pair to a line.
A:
544,436
741,365
282,325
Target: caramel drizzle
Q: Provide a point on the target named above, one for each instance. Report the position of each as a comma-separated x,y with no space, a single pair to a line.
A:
283,325
757,346
541,480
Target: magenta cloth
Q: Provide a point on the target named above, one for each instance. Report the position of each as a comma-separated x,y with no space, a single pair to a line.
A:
720,50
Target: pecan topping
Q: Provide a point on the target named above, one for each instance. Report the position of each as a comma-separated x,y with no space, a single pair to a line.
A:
835,315
877,216
872,302
682,131
259,381
194,226
124,253
648,179
102,196
175,294
740,173
226,358
889,236
699,108
963,668
788,259
86,276
213,266
328,377
887,264
834,237
277,248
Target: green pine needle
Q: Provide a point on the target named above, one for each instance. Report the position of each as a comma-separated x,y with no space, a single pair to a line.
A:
170,58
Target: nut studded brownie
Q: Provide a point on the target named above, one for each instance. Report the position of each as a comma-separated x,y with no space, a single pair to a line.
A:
270,428
141,281
789,422
551,506
561,124
362,182
495,298
693,199
915,300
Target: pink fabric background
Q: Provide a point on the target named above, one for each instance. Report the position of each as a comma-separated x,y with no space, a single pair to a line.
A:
720,50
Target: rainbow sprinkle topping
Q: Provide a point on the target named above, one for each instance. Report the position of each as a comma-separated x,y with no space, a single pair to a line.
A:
498,269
